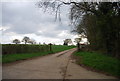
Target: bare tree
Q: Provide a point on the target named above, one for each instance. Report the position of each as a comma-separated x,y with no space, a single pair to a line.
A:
77,7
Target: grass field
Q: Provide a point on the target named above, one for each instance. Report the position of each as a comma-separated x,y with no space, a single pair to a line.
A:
15,57
99,62
58,48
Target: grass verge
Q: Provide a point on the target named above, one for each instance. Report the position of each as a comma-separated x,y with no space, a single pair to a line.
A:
15,57
99,62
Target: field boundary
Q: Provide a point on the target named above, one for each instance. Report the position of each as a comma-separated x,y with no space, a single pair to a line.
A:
22,60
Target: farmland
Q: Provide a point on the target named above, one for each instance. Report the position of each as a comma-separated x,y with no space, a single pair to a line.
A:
14,52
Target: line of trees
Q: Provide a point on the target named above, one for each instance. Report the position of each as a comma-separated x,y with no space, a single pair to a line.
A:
78,40
99,21
25,39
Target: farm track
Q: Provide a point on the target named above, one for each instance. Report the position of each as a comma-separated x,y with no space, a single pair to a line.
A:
54,66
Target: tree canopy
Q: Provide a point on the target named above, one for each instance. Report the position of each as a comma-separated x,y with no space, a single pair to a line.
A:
26,39
98,21
16,41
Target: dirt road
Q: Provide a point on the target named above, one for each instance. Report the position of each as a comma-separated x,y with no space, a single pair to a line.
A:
55,66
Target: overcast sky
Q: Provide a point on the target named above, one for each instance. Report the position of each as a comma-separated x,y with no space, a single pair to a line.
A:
21,19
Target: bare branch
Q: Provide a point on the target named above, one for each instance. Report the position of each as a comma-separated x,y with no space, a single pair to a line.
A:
77,8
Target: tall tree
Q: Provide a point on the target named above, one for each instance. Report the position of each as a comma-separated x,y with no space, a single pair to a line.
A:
102,27
99,21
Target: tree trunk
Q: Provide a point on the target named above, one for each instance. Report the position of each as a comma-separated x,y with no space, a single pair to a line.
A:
78,46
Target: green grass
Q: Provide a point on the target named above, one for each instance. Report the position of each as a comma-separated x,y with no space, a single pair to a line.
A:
58,48
15,57
99,62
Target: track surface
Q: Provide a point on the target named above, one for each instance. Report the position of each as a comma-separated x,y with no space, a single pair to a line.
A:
54,66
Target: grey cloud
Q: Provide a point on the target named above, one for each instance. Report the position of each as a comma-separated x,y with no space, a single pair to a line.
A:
0,14
26,18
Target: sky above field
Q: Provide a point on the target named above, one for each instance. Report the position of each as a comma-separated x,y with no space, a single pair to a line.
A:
21,19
